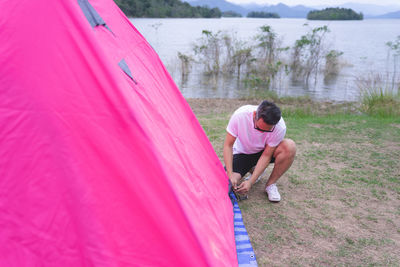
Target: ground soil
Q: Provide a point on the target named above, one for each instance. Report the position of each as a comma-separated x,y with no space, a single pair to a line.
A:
338,208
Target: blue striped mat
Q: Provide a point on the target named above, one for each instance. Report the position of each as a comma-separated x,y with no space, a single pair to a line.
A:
245,252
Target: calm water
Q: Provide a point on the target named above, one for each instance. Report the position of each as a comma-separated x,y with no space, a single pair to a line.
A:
363,44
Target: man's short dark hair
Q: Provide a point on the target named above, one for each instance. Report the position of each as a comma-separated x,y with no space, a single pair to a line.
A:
269,112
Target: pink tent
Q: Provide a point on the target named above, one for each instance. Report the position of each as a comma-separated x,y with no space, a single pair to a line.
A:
102,162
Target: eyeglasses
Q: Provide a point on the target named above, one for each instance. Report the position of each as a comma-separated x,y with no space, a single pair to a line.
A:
261,130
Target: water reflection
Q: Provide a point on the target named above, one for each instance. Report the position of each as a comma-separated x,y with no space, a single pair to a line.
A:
330,79
363,44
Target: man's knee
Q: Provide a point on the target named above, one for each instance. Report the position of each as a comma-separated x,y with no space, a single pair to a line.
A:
290,147
287,147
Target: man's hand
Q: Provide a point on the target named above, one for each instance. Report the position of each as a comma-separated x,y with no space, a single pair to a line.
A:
234,182
228,158
244,187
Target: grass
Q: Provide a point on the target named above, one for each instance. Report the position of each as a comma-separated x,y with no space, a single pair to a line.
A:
340,199
379,98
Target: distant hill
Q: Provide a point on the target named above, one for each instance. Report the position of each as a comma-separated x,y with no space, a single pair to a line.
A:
391,15
369,10
231,14
165,9
336,13
288,12
255,14
282,10
221,4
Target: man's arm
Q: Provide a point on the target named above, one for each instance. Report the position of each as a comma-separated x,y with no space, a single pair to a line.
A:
261,165
228,157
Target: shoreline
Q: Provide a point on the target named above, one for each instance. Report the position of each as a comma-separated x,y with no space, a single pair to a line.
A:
303,105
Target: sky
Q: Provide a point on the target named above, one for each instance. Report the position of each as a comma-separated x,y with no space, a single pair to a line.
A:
317,2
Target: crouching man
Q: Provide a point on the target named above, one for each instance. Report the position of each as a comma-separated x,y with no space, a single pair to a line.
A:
254,139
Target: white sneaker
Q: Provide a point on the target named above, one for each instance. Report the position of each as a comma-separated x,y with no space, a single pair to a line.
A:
273,193
248,178
259,177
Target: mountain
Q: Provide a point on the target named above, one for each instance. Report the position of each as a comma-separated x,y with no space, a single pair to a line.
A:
369,10
221,4
391,15
284,11
288,12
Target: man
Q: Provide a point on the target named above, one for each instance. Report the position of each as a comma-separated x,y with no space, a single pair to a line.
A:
255,138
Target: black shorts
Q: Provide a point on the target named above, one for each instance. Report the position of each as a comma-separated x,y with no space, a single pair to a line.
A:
242,163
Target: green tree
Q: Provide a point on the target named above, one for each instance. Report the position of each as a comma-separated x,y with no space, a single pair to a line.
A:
165,9
231,14
307,54
334,14
394,58
255,14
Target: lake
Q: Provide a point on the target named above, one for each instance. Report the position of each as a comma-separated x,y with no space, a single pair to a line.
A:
363,44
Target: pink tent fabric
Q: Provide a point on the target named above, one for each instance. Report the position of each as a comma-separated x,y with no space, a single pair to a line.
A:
97,168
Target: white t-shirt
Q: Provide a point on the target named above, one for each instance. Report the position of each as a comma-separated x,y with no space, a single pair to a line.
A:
248,139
